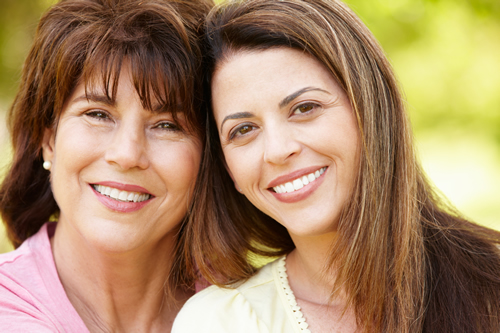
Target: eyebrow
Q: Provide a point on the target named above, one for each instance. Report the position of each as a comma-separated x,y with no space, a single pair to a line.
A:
238,115
94,98
296,94
103,99
285,101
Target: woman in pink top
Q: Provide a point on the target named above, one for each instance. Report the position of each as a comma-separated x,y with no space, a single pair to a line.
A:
106,142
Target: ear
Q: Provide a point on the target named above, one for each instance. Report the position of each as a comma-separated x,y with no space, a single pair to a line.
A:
238,188
48,144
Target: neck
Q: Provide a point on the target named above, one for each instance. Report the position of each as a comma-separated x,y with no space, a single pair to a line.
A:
309,274
118,291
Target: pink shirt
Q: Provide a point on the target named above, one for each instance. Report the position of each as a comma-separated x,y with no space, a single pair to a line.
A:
32,298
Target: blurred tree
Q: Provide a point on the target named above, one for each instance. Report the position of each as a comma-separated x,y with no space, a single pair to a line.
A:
446,54
18,19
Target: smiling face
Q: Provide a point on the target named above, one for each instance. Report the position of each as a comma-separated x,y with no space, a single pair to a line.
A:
289,137
121,175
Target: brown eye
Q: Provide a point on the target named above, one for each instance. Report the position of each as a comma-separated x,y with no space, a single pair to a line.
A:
245,129
241,131
304,108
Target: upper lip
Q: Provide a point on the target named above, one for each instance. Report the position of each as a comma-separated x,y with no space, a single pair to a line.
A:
124,187
292,176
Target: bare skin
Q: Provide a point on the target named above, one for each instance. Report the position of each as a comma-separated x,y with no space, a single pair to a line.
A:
312,287
289,121
119,292
122,177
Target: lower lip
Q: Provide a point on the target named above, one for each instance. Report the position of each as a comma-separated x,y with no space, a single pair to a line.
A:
301,194
119,206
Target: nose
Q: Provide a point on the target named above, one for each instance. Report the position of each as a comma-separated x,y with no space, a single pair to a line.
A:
127,148
281,143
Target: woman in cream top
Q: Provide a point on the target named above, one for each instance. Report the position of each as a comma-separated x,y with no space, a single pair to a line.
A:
311,156
263,303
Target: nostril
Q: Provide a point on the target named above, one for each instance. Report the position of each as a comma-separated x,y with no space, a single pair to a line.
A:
127,154
279,152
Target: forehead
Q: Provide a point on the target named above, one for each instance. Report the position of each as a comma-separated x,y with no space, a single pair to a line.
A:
257,66
249,58
248,77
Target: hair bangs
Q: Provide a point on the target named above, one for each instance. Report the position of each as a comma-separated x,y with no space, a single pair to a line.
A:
163,80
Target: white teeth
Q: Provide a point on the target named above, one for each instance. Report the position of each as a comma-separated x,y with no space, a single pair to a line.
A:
114,193
107,190
121,195
299,183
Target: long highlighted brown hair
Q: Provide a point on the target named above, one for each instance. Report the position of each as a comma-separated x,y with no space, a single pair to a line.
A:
88,41
408,261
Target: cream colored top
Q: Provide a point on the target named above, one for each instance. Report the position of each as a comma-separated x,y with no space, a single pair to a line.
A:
264,303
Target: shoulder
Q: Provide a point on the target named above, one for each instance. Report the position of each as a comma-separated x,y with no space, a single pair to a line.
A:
32,298
18,314
235,309
19,308
20,267
17,266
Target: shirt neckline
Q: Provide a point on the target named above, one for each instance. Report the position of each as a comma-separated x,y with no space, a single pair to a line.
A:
289,295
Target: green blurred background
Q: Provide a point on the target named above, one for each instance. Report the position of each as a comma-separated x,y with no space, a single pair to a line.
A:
446,54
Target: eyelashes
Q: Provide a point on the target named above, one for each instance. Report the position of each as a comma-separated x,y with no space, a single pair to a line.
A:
241,130
98,114
104,116
305,108
168,125
301,110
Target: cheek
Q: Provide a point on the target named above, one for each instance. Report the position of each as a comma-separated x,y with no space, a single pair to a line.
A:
73,152
340,135
242,165
74,149
338,140
178,163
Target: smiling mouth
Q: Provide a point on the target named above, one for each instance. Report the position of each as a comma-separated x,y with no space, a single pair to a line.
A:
119,195
299,183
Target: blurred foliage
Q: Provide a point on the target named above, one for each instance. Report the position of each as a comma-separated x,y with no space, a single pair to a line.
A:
18,20
446,54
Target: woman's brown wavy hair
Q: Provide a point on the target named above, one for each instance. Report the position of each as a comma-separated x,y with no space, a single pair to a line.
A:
88,41
408,261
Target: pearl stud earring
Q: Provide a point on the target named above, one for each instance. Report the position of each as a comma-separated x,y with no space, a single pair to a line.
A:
47,165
